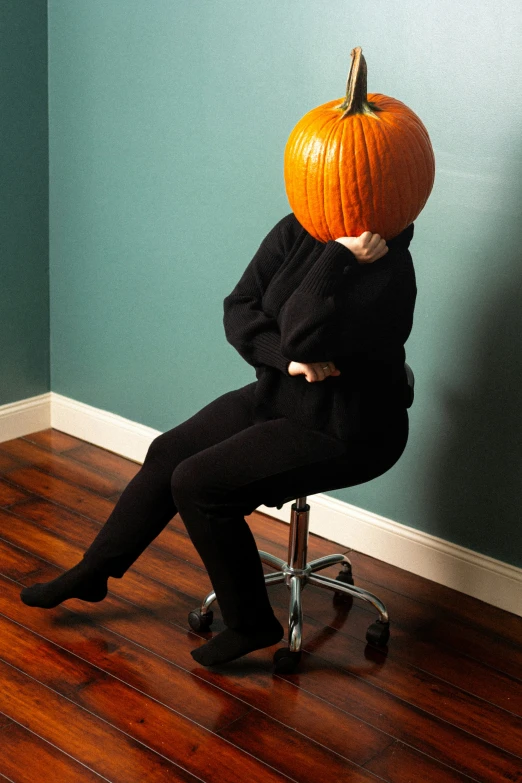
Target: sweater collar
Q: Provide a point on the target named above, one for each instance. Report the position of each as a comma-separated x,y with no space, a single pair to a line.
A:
402,240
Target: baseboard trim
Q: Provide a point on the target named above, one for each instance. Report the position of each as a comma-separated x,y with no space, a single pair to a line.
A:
480,576
101,428
25,416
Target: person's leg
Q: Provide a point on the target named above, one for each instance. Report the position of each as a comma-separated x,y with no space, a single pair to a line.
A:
146,504
215,488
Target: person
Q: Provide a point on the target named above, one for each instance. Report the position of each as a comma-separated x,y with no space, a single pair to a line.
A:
324,325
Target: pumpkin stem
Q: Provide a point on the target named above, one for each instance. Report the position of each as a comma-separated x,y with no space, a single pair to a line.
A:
355,101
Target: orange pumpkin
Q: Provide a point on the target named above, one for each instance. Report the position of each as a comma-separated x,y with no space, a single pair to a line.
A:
364,163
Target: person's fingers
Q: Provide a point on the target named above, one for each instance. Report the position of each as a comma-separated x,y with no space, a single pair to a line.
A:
318,372
311,374
377,247
382,248
321,370
326,369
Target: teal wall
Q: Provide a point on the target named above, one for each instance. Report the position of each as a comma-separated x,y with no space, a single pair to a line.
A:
168,122
24,201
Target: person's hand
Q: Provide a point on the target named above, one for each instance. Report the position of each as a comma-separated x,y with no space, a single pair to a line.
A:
367,248
313,371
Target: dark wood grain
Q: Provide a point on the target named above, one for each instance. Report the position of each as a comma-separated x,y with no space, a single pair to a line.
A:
42,761
120,705
64,467
174,649
10,494
72,496
106,461
443,703
118,656
409,616
54,440
76,731
7,462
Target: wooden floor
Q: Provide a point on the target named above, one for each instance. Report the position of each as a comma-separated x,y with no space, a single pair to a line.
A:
109,691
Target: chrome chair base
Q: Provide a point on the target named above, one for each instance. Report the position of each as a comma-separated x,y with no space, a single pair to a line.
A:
297,573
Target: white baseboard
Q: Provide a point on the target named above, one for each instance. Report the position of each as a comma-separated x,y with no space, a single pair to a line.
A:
483,577
25,416
108,430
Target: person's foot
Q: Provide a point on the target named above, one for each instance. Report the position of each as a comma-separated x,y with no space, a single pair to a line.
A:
231,644
77,582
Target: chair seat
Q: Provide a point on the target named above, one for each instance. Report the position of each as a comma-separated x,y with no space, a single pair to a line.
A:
278,502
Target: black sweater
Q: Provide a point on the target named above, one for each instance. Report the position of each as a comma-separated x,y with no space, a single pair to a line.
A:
306,301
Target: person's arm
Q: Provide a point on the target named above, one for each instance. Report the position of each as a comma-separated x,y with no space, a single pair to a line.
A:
342,307
254,334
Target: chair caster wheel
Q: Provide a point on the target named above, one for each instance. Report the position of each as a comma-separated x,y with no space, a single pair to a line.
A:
200,622
341,597
378,633
345,576
285,661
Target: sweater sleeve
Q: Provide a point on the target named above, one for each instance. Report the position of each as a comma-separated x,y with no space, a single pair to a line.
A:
342,307
254,334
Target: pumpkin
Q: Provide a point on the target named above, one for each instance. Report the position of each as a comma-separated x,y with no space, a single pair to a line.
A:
362,163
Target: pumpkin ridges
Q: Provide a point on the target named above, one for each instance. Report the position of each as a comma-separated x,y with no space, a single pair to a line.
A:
322,167
296,143
400,200
365,179
387,165
329,174
327,183
407,115
345,183
423,153
408,119
299,178
373,136
358,176
306,200
308,132
337,219
382,170
422,129
417,123
413,181
319,125
415,159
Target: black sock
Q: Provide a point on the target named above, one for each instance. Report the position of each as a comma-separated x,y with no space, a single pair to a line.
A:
231,644
78,582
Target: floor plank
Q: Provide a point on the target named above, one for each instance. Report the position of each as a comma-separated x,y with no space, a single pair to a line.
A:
442,703
170,646
42,761
108,701
77,732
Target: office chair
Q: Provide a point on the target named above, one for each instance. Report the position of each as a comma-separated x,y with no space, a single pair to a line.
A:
297,573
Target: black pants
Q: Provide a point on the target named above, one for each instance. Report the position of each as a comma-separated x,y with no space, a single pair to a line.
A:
218,466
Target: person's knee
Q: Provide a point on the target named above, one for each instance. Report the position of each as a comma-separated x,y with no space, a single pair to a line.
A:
184,480
160,449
